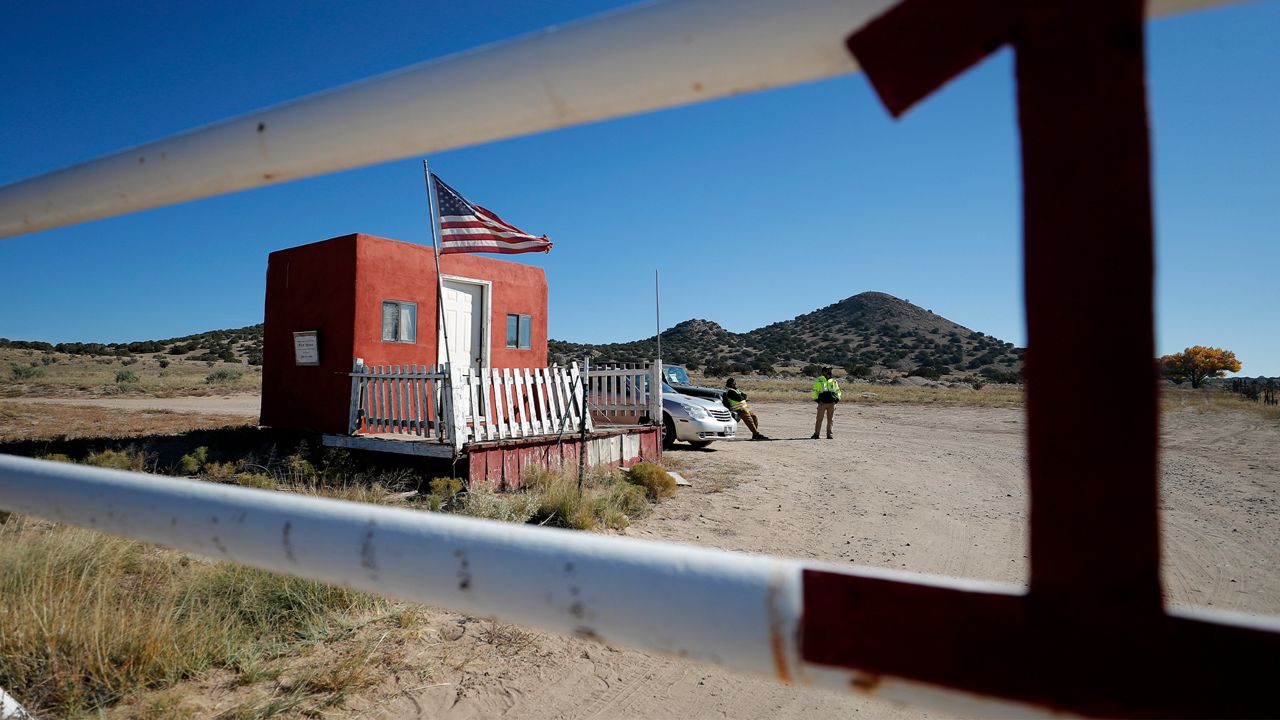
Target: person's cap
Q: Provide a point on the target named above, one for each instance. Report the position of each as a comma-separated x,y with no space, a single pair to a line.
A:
730,382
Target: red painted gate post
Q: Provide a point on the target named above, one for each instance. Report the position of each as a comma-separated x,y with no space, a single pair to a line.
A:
1091,635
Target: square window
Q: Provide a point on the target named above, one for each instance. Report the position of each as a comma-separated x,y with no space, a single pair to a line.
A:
399,321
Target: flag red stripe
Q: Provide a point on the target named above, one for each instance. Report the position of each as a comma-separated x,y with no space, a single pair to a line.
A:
481,225
447,238
495,249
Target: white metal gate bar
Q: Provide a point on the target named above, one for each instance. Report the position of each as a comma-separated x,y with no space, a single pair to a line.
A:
735,610
648,57
11,709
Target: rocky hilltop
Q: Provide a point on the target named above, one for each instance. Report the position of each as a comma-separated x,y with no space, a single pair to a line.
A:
866,334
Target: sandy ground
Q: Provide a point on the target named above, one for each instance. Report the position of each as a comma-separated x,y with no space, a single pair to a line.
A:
936,490
929,490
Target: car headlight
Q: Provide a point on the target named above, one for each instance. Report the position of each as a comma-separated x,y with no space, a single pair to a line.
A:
697,412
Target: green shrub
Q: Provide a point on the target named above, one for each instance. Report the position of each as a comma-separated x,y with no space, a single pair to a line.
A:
24,372
163,363
194,461
928,372
1002,376
128,459
126,377
222,375
219,471
655,480
261,481
298,466
56,457
336,463
444,490
858,371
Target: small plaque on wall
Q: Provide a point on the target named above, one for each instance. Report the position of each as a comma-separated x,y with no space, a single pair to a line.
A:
306,347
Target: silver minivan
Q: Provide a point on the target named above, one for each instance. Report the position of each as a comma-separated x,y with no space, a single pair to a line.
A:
698,421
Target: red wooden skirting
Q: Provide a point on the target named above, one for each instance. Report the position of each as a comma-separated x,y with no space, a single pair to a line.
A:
499,465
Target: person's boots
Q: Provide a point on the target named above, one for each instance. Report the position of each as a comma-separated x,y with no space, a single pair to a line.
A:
815,436
830,436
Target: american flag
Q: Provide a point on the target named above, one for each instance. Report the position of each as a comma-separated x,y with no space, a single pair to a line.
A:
470,228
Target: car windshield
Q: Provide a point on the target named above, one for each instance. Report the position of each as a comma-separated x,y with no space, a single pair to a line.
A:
676,375
667,388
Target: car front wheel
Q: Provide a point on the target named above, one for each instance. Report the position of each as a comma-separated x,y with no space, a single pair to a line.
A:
668,432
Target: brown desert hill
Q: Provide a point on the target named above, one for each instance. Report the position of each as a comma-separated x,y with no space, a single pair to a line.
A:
868,333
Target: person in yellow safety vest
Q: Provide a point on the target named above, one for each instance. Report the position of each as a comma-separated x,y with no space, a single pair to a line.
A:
826,392
736,401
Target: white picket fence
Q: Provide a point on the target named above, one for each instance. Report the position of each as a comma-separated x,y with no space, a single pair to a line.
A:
409,399
621,394
509,403
430,402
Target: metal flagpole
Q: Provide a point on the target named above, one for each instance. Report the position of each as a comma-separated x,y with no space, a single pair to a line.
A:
442,327
582,429
657,314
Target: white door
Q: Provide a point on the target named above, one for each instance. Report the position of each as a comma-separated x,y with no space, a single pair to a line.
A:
463,324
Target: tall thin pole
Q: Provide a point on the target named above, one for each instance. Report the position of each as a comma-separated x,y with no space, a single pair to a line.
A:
442,328
582,431
657,316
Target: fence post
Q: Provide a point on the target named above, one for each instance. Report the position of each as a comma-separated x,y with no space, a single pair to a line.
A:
353,418
655,392
459,392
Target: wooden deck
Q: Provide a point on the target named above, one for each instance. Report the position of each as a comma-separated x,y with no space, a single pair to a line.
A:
503,419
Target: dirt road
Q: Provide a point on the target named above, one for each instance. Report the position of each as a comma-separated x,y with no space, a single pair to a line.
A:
240,405
930,490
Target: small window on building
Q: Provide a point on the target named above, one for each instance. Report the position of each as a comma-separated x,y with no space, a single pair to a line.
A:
399,321
519,331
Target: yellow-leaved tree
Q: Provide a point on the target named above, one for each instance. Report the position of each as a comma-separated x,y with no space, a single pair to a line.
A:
1197,363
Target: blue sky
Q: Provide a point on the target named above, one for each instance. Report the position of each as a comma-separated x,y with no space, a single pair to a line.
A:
755,209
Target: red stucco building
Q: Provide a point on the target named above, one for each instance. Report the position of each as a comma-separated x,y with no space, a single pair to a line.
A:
361,296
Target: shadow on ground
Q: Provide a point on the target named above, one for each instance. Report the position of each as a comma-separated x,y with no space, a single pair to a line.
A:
262,446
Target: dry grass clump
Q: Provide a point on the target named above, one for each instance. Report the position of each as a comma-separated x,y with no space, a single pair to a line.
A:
126,459
86,619
1215,400
655,480
609,499
510,507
